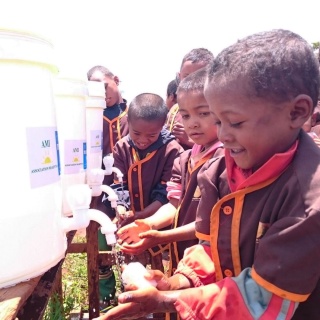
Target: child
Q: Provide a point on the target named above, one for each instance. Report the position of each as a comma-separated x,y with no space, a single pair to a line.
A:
171,98
115,127
312,126
307,127
183,187
192,61
145,157
263,261
316,119
115,124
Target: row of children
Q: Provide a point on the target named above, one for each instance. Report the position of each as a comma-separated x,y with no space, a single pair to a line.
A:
144,150
258,217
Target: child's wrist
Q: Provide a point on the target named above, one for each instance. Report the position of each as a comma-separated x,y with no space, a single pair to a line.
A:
150,224
179,281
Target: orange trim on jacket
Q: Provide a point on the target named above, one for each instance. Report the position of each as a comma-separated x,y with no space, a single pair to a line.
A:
138,164
195,161
278,291
200,163
239,197
111,124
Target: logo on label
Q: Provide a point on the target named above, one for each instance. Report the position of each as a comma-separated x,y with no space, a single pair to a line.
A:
43,156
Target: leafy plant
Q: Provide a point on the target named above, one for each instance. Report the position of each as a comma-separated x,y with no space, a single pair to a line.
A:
74,287
54,309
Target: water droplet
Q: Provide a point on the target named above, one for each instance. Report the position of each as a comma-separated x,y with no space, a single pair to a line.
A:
116,253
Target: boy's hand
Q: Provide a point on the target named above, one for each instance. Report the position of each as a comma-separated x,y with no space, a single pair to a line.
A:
124,217
140,303
179,132
163,282
131,232
140,246
120,212
136,304
131,217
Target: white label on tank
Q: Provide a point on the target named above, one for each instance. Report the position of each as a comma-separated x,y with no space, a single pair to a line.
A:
95,141
43,154
73,156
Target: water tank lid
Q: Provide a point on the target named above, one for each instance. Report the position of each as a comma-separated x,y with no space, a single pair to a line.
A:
26,47
64,86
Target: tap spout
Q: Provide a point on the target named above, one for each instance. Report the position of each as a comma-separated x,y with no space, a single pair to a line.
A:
112,196
78,221
118,173
108,228
79,197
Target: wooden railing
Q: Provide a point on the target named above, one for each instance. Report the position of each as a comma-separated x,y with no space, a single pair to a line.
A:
28,300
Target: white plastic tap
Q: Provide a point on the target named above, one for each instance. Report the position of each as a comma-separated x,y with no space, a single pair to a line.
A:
94,180
108,228
79,198
108,162
112,196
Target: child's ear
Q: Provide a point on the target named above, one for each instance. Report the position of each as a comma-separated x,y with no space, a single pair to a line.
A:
302,108
172,97
116,80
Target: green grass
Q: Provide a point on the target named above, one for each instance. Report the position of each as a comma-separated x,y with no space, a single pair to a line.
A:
74,287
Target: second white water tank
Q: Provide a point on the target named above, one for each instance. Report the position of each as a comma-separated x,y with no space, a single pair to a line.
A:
94,123
70,101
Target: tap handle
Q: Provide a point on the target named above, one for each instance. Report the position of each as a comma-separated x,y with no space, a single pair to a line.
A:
78,196
108,162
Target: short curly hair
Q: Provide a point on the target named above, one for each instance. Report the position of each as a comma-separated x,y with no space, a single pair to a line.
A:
277,65
195,81
148,107
102,69
198,55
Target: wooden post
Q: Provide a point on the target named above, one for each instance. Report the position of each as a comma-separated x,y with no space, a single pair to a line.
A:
93,269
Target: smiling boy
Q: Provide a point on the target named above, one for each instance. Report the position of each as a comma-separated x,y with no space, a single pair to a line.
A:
145,156
259,253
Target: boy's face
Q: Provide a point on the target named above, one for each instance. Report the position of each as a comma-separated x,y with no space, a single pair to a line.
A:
252,129
197,119
111,87
188,67
144,133
170,101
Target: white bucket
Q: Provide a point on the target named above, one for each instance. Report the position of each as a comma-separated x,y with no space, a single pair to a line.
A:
31,236
70,101
94,123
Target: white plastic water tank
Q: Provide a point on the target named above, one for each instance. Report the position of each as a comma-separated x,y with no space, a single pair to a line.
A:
70,101
94,123
31,236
